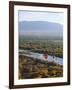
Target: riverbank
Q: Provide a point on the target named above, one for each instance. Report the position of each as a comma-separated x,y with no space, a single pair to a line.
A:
43,52
35,68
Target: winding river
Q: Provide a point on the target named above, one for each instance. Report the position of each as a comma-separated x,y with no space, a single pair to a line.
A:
41,56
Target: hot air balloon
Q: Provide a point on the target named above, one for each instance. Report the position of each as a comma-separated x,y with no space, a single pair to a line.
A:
45,56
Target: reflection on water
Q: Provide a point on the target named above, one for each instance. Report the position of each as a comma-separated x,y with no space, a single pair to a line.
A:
41,56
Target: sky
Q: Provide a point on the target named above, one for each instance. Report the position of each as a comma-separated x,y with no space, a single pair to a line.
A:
56,17
39,29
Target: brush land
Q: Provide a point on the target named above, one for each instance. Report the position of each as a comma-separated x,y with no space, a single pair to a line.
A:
33,68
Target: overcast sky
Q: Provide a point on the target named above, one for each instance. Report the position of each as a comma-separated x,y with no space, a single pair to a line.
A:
41,16
52,27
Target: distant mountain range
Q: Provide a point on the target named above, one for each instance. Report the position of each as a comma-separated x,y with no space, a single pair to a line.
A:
40,28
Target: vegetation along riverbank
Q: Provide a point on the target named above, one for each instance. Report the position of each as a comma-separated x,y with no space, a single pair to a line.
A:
30,68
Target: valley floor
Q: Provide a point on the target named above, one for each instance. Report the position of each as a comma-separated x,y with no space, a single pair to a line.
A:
30,68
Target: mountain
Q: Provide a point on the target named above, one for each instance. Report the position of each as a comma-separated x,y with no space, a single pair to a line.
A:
40,28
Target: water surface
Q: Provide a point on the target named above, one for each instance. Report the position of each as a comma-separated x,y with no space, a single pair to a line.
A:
41,56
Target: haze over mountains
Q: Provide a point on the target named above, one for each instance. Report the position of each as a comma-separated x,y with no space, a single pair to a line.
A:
41,29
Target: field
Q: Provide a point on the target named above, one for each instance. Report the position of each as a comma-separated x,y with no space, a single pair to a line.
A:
34,68
50,46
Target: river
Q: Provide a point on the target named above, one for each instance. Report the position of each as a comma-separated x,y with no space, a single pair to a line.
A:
41,56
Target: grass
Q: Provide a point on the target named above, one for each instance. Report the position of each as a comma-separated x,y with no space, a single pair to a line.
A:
42,46
33,68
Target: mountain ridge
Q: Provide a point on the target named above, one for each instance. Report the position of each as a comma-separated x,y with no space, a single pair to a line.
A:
42,27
